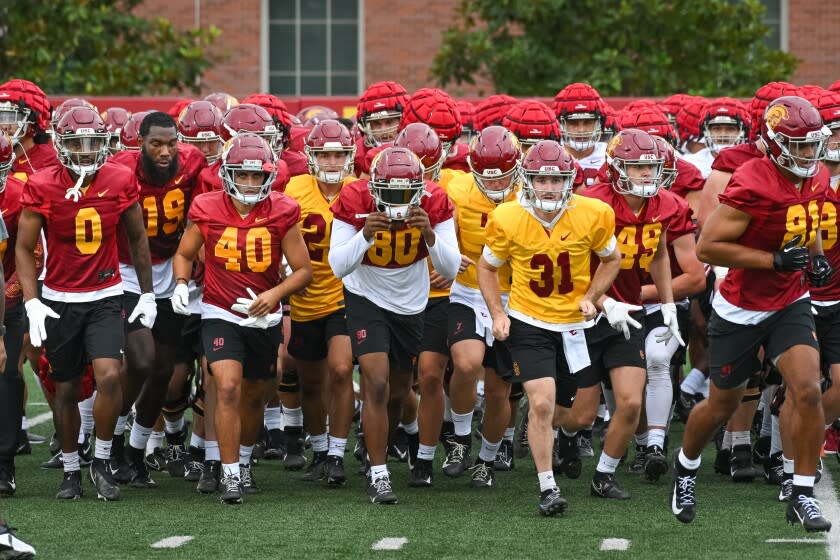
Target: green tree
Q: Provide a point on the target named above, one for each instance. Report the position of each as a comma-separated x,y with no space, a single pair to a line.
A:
622,47
99,47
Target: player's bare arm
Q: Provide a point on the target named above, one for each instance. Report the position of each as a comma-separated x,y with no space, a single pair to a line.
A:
29,230
601,281
718,242
693,277
189,247
135,230
491,291
660,271
715,184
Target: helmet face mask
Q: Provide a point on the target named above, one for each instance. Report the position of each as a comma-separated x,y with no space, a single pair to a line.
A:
326,140
635,163
81,141
7,159
549,175
396,182
14,121
494,161
243,159
795,135
381,127
581,131
832,144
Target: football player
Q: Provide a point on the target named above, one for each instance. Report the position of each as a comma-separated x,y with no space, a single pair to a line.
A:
25,118
580,110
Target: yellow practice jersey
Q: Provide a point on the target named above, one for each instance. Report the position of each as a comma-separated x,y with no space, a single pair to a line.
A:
550,267
325,294
447,177
472,210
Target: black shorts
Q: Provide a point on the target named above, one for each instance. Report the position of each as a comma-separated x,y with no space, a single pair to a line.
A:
733,348
608,349
373,329
827,321
538,353
191,347
461,326
434,326
309,339
255,349
85,331
704,298
168,326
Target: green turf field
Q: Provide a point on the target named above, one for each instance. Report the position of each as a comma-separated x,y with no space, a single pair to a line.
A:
293,519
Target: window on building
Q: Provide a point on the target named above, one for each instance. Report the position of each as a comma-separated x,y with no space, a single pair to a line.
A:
775,17
314,47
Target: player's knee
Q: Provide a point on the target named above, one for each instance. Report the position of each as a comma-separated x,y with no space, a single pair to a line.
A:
430,385
376,391
541,408
341,373
628,408
805,394
465,366
228,392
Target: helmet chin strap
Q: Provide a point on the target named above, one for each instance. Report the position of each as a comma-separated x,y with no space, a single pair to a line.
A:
74,191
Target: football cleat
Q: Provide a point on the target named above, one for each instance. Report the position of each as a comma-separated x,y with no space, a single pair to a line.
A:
584,443
504,457
294,459
23,446
398,448
208,483
740,464
140,477
71,486
683,502
231,490
119,466
248,482
316,467
102,478
655,463
774,468
761,449
638,464
156,460
334,471
8,486
483,475
55,462
175,453
604,485
275,445
193,464
380,491
55,445
458,459
552,503
12,547
421,474
85,451
786,489
568,456
447,432
722,461
413,448
806,510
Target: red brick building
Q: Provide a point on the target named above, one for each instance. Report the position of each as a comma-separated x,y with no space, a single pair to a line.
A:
337,47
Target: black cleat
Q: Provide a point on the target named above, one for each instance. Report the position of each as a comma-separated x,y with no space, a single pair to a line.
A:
103,479
359,450
315,471
12,547
638,464
722,461
806,510
55,445
459,457
683,502
156,460
85,451
604,485
774,468
247,480
568,456
380,491
231,490
398,448
761,449
504,457
421,474
55,462
119,466
483,475
208,483
23,445
140,477
584,443
295,458
683,405
552,503
8,486
71,486
413,448
193,464
447,432
740,464
334,471
175,453
275,444
786,488
655,463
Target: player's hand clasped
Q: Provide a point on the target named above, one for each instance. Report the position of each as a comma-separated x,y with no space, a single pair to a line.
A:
37,314
375,221
820,272
618,314
258,308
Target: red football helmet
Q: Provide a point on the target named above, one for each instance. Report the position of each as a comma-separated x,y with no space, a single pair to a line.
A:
396,181
81,141
200,124
828,104
278,111
494,158
65,107
130,133
532,121
7,158
115,119
175,110
330,136
312,115
22,104
382,101
688,120
224,101
794,134
763,96
435,108
724,122
467,111
549,172
247,152
426,144
639,104
634,163
246,117
611,124
650,119
671,107
492,110
579,102
669,165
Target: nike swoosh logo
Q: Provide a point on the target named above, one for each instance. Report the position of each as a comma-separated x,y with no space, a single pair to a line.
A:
179,179
674,507
258,220
103,193
656,219
563,237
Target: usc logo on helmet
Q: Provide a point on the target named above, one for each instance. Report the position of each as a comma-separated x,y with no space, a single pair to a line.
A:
775,115
615,142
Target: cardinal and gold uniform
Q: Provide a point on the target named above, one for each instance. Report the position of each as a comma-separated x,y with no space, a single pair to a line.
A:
318,313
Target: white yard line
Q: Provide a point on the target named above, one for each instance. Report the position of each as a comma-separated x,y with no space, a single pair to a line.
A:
826,493
389,543
615,544
796,541
172,542
40,419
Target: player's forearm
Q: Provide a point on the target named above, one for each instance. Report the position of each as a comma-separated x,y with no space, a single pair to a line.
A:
660,271
181,268
733,255
603,278
347,248
142,259
445,254
26,273
491,289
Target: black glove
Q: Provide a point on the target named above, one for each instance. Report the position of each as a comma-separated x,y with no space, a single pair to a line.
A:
820,272
791,257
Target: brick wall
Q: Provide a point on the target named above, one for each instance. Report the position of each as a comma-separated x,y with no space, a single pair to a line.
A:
813,37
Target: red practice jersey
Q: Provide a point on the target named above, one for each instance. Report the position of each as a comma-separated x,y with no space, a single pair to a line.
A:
295,163
241,253
36,158
81,236
164,207
731,158
779,212
456,158
10,209
638,237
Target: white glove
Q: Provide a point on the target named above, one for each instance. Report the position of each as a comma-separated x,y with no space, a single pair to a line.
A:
264,322
669,318
181,299
242,304
145,310
37,313
618,314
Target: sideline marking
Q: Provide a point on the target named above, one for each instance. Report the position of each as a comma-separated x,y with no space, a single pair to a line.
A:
615,544
389,543
797,541
172,542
